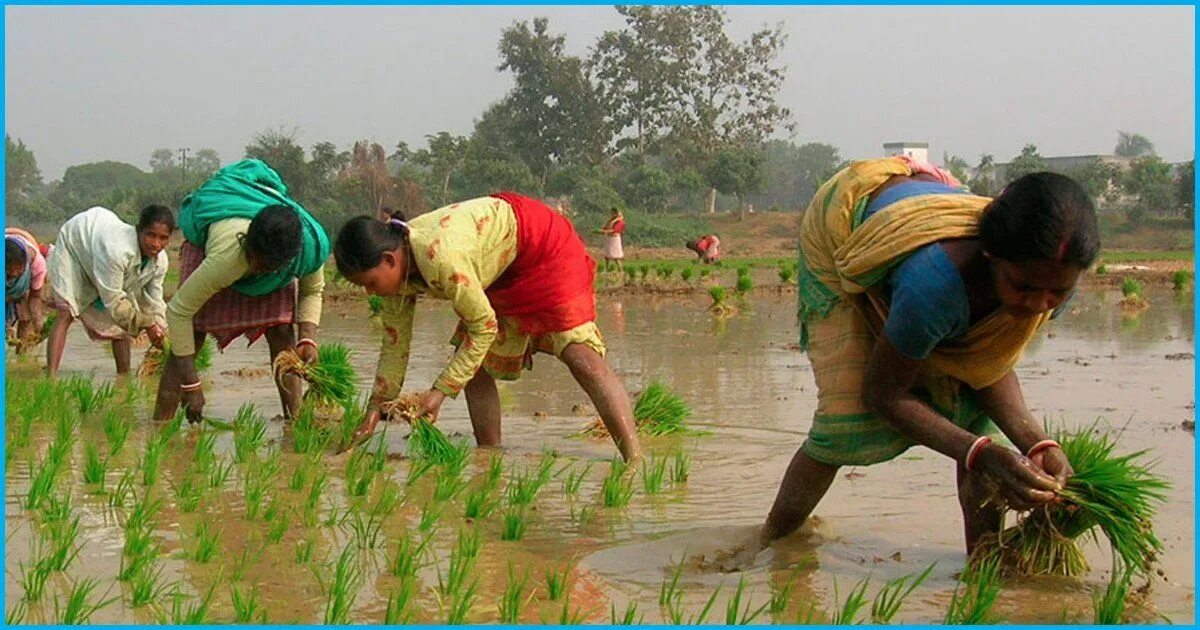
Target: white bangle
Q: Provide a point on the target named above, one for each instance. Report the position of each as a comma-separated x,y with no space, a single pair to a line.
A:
306,341
191,386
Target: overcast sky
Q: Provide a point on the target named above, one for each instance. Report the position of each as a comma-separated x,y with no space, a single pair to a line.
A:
93,83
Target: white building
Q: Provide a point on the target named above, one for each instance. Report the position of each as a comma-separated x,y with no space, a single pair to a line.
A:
918,151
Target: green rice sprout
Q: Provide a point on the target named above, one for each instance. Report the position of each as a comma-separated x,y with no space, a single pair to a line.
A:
300,476
330,377
400,604
89,398
717,293
630,616
428,442
219,473
522,488
359,473
1109,607
556,580
745,616
1130,287
61,550
743,271
194,614
308,436
654,472
245,560
21,429
569,616
974,595
469,542
494,470
151,462
124,489
1181,279
617,488
670,594
312,502
409,556
116,430
57,510
278,518
254,492
583,516
375,304
304,550
367,528
785,274
891,597
1113,494
77,610
205,454
514,601
249,433
343,588
146,584
846,612
705,272
744,284
33,580
631,272
207,543
686,273
430,514
461,603
16,615
515,520
188,493
659,411
64,431
447,486
574,480
245,605
681,466
139,526
781,593
458,569
479,503
1102,269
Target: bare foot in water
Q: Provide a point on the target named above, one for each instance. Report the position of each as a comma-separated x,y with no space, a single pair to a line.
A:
745,552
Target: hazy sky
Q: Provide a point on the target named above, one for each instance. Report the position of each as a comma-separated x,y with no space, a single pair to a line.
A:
93,83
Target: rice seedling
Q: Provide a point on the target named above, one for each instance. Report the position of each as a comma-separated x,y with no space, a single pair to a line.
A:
744,284
705,272
308,435
251,553
522,488
845,612
154,358
687,272
304,550
254,491
146,585
430,514
375,304
891,597
746,616
21,429
1131,287
629,617
41,482
469,542
669,592
583,516
151,462
743,271
447,486
575,479
658,411
654,471
515,520
1102,269
494,470
57,510
194,614
33,579
312,503
400,605
556,580
367,528
245,605
681,466
1181,279
513,601
717,295
61,549
428,442
330,377
569,617
124,489
545,470
409,556
631,272
249,433
65,426
116,430
1108,608
204,455
458,568
77,610
206,543
16,615
219,473
417,469
278,518
617,487
479,503
300,476
88,397
974,595
785,274
1116,495
343,588
781,593
359,473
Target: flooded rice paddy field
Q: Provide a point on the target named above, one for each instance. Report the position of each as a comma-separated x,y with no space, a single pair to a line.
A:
749,387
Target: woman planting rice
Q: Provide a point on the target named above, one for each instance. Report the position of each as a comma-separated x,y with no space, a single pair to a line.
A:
24,276
916,302
246,245
519,280
707,247
109,275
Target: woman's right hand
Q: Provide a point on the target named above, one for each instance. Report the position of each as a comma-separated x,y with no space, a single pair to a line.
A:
1023,485
367,426
193,404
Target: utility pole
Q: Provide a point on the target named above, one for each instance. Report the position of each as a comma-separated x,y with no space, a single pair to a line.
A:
183,178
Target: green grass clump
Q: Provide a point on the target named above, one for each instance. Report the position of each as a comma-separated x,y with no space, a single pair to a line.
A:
975,595
94,468
744,284
1113,494
1181,279
891,597
785,274
116,430
245,605
513,602
249,433
77,609
654,471
659,411
556,580
515,521
687,273
574,479
717,294
1131,287
746,615
343,587
400,604
617,488
207,543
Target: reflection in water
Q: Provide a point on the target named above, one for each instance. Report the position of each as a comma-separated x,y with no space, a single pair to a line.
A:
747,384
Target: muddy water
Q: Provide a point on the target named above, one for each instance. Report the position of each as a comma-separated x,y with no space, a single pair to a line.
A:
748,386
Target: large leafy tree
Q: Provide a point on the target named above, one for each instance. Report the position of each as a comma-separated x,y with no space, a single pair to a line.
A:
1133,145
1149,182
1029,161
279,149
22,178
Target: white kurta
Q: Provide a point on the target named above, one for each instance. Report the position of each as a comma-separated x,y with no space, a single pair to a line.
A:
97,255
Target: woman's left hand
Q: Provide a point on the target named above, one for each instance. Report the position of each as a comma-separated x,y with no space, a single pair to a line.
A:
430,404
1054,462
156,334
307,352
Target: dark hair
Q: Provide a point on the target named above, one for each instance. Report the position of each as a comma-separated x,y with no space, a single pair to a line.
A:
156,213
362,241
1041,216
14,253
273,237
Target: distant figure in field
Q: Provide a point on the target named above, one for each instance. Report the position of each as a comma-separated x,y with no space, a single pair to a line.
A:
612,231
707,247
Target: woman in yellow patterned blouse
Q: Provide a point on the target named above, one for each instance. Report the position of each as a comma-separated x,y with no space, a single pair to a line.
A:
520,281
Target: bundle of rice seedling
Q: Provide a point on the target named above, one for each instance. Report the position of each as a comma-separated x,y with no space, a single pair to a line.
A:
657,411
330,377
426,441
154,359
719,307
1132,299
1116,495
375,303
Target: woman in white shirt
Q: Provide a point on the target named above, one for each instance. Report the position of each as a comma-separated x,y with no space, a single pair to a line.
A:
110,274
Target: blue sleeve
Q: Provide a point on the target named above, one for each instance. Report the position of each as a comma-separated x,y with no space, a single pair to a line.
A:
929,303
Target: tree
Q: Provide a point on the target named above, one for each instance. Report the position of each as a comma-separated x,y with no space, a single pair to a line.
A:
1149,182
204,163
444,155
1096,177
22,178
162,160
1133,145
1029,161
736,172
957,166
366,180
106,183
791,174
1185,189
644,186
279,149
984,181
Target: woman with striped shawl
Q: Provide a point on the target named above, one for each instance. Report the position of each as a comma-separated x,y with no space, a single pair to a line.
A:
916,302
